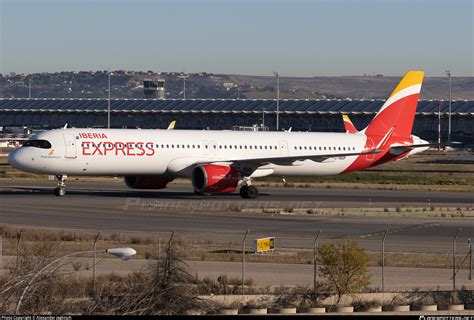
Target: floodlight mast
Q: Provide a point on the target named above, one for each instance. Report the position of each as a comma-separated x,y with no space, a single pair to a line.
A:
184,77
277,101
108,102
448,73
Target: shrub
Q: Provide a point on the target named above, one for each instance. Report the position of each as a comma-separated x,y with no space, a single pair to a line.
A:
344,268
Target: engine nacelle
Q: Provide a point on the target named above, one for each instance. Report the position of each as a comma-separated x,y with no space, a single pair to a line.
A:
147,182
212,178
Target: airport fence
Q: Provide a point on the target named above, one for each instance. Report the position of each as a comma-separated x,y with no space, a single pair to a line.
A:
275,261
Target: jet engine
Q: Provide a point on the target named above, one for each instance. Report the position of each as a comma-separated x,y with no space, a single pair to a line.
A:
211,178
147,182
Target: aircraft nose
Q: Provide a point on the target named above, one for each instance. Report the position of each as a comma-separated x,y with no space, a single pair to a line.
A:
16,159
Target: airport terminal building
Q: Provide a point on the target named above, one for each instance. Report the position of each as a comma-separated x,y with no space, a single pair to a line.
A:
300,115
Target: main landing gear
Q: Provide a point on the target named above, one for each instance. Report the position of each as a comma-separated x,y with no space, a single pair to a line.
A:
248,192
60,190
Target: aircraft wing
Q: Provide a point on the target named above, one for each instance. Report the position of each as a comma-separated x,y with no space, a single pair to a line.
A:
251,164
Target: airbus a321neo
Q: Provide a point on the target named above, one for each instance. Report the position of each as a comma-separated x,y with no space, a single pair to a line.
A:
222,161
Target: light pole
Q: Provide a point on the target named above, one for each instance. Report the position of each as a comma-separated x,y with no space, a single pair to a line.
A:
184,77
448,73
278,101
383,259
29,88
94,264
243,262
454,259
122,253
315,261
470,258
439,126
108,104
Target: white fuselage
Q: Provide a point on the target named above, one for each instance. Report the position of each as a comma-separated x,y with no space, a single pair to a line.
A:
175,152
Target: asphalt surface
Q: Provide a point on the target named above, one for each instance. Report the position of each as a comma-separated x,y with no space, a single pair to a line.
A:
113,207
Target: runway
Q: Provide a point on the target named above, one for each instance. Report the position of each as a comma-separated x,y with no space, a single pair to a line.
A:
113,207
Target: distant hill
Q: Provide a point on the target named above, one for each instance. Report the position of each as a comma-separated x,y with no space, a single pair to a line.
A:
357,87
128,84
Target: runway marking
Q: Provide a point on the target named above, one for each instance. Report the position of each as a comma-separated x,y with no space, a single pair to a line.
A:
390,231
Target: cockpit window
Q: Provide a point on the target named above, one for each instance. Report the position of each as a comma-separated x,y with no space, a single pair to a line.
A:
43,144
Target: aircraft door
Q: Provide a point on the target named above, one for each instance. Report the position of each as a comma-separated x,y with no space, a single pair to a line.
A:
283,148
70,146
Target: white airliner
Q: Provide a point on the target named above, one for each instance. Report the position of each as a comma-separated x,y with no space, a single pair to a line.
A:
222,161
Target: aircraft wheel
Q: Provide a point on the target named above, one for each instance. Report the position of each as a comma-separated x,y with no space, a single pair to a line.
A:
252,192
243,191
60,192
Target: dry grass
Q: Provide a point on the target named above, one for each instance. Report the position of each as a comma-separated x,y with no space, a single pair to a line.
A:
151,247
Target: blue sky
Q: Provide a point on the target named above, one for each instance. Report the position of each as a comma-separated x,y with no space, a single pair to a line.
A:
295,37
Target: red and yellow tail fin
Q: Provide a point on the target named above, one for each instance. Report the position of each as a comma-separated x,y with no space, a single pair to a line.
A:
348,125
398,112
171,125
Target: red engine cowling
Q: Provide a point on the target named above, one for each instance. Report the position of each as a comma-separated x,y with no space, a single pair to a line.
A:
211,178
147,182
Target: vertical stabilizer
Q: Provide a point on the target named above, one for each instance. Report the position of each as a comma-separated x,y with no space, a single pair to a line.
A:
398,112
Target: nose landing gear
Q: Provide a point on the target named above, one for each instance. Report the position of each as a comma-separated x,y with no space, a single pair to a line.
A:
60,190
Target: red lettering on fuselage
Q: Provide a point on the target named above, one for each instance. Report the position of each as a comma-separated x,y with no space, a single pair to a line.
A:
130,149
93,135
119,146
140,149
97,149
108,148
150,149
85,148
